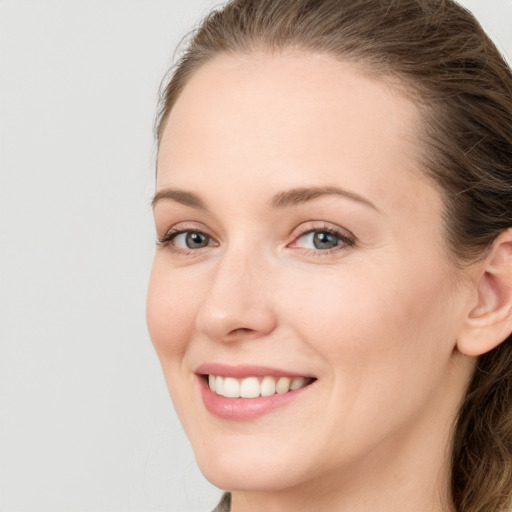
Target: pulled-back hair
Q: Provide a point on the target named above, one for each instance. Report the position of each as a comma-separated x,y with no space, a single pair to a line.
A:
438,54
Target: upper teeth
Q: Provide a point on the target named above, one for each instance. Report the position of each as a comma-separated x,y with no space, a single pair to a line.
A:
252,387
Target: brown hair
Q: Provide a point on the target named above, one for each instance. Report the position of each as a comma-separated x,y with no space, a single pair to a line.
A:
463,88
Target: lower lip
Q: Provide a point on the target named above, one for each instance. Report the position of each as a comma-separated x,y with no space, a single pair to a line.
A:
244,409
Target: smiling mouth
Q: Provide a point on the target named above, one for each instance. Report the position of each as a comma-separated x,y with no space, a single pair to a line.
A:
254,387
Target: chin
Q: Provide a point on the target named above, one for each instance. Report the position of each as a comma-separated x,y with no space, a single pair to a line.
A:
251,470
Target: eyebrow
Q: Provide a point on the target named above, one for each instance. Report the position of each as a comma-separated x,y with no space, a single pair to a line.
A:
285,199
179,196
301,195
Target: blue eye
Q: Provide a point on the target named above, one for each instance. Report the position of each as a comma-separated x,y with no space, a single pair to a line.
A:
322,240
191,240
182,240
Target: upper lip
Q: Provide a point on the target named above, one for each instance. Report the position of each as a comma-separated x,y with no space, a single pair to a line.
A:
242,371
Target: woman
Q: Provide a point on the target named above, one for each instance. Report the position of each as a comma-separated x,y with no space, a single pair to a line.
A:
331,296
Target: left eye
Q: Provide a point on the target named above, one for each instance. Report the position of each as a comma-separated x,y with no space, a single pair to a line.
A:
321,240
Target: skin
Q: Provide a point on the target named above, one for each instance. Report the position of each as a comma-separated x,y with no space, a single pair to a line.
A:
376,321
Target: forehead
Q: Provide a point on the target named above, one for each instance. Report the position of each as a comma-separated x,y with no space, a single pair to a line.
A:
289,120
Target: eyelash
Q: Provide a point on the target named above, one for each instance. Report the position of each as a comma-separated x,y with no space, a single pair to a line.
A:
345,240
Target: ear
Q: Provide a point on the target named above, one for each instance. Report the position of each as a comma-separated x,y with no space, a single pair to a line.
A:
489,322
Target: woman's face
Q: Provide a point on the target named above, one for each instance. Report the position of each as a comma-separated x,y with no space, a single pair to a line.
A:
300,241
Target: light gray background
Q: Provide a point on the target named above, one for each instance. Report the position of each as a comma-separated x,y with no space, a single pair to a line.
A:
85,419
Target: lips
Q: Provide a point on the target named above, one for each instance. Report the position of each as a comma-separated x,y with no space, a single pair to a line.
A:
246,392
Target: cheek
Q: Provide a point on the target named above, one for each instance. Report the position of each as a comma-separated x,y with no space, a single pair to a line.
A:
385,343
378,328
370,307
170,312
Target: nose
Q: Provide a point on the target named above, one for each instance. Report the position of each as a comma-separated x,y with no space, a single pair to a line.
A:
237,304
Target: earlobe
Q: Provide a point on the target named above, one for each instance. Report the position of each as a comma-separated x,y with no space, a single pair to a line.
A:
489,321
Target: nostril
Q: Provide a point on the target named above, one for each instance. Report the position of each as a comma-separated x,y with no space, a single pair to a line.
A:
223,319
240,330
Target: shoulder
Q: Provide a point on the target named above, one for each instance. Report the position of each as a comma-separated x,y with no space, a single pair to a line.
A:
224,504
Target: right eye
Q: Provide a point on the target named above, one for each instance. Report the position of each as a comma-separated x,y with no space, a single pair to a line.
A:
191,240
186,240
